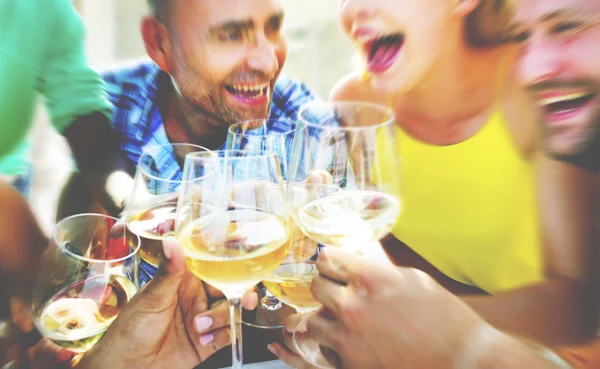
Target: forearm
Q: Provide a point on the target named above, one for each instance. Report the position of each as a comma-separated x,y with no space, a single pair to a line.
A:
555,312
505,352
106,171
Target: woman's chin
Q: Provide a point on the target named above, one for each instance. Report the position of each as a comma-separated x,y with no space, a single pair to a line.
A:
385,86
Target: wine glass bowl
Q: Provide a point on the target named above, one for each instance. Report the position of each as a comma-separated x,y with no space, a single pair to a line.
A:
151,209
86,276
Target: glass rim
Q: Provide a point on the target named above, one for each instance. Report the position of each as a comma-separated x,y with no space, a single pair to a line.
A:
90,260
380,107
250,154
157,178
276,133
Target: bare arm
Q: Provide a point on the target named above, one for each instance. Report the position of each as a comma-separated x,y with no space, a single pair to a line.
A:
509,353
107,172
561,310
22,243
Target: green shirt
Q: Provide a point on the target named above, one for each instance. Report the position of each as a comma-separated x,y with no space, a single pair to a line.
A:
42,51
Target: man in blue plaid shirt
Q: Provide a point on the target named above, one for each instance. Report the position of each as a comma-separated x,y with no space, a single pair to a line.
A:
220,67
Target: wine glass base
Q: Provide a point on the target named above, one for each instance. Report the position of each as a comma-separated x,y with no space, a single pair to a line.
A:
308,348
265,318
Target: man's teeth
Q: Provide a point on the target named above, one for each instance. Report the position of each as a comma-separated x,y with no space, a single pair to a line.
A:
564,98
260,89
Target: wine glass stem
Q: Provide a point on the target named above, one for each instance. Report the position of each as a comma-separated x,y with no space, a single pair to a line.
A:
235,312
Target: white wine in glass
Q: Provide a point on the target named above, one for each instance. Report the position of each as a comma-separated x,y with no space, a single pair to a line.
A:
291,282
349,217
243,236
77,316
87,275
151,210
233,250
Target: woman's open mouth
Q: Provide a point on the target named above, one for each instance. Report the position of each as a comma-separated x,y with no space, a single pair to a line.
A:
383,51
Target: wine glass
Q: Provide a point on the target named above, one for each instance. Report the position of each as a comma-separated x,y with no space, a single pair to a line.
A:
351,145
151,209
87,274
231,221
290,282
273,135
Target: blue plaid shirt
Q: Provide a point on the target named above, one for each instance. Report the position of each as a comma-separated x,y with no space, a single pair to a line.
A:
136,118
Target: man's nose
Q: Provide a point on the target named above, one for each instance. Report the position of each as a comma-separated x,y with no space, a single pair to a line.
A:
263,57
541,60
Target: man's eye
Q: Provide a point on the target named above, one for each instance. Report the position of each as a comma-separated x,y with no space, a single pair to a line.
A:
520,37
232,35
566,28
274,26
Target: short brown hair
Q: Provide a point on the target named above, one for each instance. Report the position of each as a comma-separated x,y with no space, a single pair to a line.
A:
160,9
487,25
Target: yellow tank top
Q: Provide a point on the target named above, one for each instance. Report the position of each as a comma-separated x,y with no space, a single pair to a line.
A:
470,209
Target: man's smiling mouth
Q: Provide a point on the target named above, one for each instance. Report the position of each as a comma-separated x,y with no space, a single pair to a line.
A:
248,91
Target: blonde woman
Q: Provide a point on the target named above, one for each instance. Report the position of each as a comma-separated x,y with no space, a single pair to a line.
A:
469,154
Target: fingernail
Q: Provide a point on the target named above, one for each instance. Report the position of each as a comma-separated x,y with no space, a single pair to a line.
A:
272,349
206,339
203,323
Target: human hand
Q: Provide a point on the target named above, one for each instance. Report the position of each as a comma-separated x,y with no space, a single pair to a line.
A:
172,320
376,315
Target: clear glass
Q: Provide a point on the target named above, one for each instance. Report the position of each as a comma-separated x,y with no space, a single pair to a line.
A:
86,276
151,209
273,135
352,146
231,221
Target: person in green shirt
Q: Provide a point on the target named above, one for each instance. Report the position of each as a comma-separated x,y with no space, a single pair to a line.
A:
42,55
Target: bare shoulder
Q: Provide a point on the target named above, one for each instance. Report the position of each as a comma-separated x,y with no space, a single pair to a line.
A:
353,87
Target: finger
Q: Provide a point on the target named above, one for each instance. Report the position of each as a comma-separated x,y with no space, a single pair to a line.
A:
215,318
250,300
213,293
160,293
339,265
326,332
46,353
319,177
216,339
289,357
118,229
192,298
294,322
329,293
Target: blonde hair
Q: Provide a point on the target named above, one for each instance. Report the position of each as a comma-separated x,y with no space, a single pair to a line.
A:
487,25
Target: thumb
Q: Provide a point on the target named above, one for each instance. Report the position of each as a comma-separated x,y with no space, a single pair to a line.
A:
162,290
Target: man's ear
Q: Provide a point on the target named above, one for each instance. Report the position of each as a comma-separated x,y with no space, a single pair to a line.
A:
466,7
157,42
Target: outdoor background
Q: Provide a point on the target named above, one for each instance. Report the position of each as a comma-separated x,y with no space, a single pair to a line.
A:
319,55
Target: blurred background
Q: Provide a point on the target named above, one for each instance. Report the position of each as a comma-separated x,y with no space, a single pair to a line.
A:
319,55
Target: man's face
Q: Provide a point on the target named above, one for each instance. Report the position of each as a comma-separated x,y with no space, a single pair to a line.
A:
560,65
227,55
